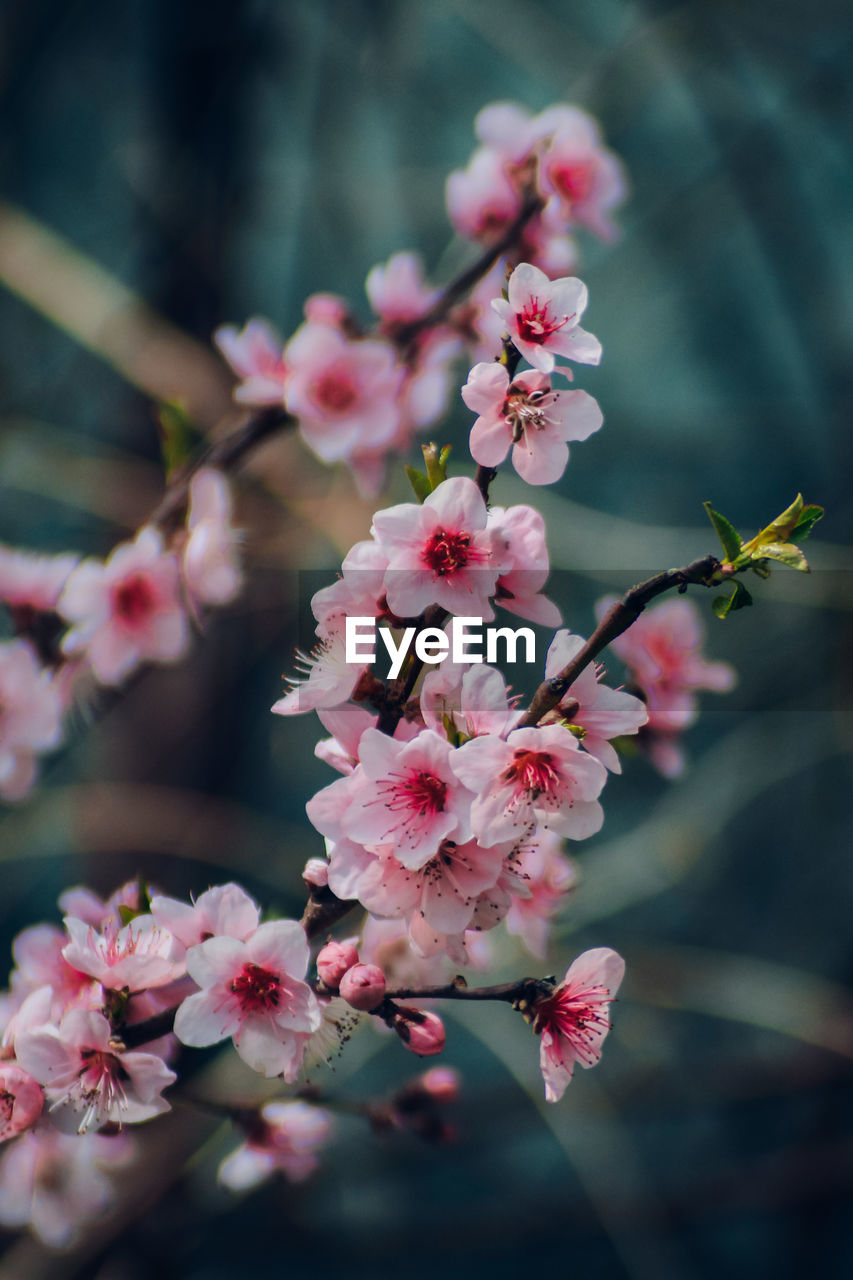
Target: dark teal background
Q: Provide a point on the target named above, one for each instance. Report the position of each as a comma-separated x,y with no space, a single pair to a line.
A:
227,158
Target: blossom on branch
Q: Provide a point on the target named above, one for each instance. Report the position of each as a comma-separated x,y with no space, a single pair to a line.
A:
541,317
573,1021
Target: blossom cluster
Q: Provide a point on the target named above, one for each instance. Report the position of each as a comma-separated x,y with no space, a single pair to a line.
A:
79,621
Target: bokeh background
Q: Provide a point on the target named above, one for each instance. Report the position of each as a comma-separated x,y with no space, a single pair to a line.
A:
168,165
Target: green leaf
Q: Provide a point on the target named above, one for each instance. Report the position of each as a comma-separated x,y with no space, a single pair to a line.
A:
419,483
786,553
179,436
436,464
739,599
725,531
807,521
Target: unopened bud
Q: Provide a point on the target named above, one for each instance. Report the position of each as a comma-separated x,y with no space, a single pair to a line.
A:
334,960
423,1033
316,872
363,986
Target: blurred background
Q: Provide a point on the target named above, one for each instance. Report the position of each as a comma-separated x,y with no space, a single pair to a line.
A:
168,166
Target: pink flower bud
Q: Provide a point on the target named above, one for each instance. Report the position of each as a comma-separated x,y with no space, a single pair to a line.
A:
424,1034
334,960
363,986
21,1101
316,872
441,1083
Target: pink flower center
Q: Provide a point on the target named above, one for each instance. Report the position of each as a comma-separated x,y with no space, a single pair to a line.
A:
573,181
532,771
420,794
445,552
335,392
257,989
580,1017
133,599
536,324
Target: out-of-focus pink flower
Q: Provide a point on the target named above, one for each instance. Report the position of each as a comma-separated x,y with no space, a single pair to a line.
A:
285,1139
526,568
530,417
549,876
363,986
397,291
21,1100
30,717
541,317
255,355
536,775
32,581
89,1078
441,1083
421,1032
138,955
39,962
253,991
211,567
573,1021
345,393
127,610
603,713
440,552
55,1183
223,911
586,177
482,199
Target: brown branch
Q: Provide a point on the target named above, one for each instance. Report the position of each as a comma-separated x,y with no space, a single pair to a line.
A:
522,992
618,619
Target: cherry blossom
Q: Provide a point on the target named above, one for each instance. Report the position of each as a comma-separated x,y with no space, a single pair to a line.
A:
482,199
345,393
137,955
30,717
39,962
602,713
440,552
536,775
549,877
330,679
519,586
88,1075
255,355
33,582
573,1021
541,317
209,559
21,1101
127,610
253,991
225,910
397,291
283,1140
528,416
586,177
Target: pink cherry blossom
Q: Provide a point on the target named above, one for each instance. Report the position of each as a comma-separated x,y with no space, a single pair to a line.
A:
255,355
662,651
472,700
88,1075
21,1101
39,962
482,199
536,775
253,991
541,317
209,559
573,1022
55,1183
284,1140
359,593
549,877
586,177
528,416
30,581
519,587
345,393
346,724
602,713
440,552
405,793
137,955
127,610
225,910
30,717
330,679
397,291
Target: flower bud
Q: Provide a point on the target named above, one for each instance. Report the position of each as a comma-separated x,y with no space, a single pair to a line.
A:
334,960
424,1033
363,986
441,1083
316,872
22,1100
